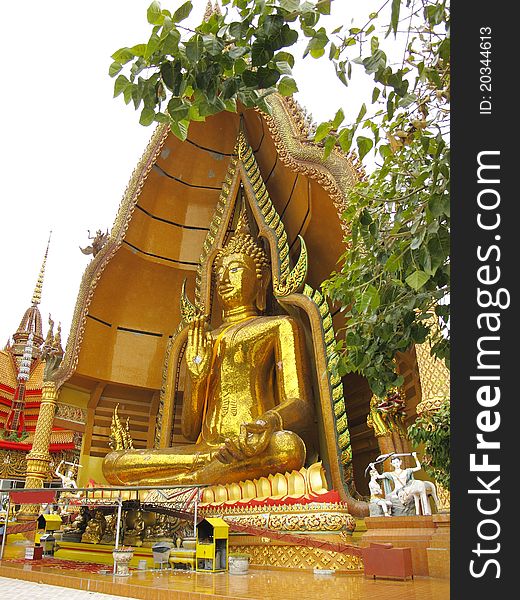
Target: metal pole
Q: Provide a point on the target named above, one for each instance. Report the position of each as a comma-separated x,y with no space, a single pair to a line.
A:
118,525
4,536
195,510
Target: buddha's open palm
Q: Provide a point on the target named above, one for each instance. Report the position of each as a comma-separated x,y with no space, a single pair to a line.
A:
198,349
253,439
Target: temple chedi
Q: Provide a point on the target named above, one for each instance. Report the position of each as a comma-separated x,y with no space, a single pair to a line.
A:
21,381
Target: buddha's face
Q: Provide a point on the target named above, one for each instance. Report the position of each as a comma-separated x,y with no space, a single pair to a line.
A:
396,463
237,283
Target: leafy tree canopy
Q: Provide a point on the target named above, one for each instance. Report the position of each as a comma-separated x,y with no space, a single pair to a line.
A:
394,274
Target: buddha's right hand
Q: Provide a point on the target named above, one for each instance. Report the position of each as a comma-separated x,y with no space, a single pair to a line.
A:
198,349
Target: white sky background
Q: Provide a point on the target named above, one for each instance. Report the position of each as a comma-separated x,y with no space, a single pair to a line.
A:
68,148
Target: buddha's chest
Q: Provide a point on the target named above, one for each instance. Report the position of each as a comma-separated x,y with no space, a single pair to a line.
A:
244,348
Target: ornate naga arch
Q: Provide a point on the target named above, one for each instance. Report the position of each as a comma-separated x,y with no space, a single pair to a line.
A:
291,292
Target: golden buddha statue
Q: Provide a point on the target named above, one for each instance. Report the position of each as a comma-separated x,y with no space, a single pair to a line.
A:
254,404
109,535
135,533
95,528
250,395
78,526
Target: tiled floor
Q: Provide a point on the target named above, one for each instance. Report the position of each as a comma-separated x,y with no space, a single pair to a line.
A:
11,588
259,584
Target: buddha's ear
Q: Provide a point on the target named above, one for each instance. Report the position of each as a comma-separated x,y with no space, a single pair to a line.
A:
261,296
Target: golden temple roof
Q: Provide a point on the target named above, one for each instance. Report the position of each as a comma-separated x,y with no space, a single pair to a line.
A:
7,370
8,373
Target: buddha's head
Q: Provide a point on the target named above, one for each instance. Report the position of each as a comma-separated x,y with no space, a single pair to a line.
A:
242,270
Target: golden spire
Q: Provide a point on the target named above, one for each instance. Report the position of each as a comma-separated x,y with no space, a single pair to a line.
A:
32,320
37,295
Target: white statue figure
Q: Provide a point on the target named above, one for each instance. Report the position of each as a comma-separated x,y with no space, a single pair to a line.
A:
419,491
405,488
67,479
376,493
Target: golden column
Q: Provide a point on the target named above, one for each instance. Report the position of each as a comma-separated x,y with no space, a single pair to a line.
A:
435,390
39,458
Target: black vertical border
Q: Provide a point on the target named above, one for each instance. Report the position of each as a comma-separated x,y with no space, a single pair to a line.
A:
472,133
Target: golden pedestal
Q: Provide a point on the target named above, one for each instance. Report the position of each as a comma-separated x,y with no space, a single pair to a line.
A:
275,554
98,553
327,522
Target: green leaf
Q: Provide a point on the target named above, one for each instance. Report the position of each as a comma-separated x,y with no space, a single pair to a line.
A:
290,5
212,44
271,26
114,69
249,78
171,43
147,116
317,43
330,142
444,49
123,55
237,30
338,119
230,87
418,239
407,100
154,14
177,109
345,138
364,145
417,279
240,66
393,263
194,49
238,51
267,77
284,67
162,117
152,45
183,12
287,86
362,112
322,131
375,62
261,52
369,299
120,85
323,7
285,57
180,129
138,49
394,17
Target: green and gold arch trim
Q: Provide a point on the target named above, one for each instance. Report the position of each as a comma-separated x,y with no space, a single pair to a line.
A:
289,288
336,386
